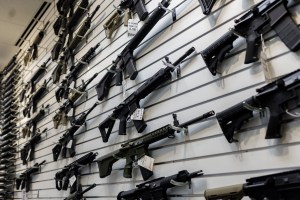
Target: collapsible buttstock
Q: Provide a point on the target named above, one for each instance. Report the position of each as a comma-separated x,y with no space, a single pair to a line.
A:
106,124
105,166
207,6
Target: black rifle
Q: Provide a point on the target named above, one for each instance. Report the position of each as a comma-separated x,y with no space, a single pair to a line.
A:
62,177
280,186
58,47
63,91
31,124
60,68
32,104
207,6
11,63
78,195
127,7
136,148
42,69
67,141
125,60
27,152
25,178
82,31
131,103
157,188
263,17
77,15
61,116
32,52
279,97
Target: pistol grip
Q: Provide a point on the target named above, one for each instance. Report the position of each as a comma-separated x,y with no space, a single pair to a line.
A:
122,126
131,68
127,170
285,27
274,127
119,77
140,9
253,46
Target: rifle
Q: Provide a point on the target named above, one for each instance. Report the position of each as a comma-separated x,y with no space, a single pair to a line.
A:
63,91
78,195
277,96
58,47
61,116
67,141
42,69
260,19
31,124
35,98
27,152
131,103
60,68
279,186
62,177
32,52
157,188
25,178
82,31
136,148
127,7
125,60
77,15
11,63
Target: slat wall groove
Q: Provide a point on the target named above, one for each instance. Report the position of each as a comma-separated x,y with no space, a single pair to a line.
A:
194,93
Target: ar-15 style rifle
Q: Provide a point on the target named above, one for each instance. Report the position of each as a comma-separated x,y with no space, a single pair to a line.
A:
280,97
25,178
131,103
78,195
32,52
283,186
82,31
31,124
77,15
58,47
62,177
42,69
263,17
63,91
135,149
157,188
27,152
125,60
11,63
35,98
127,7
61,116
67,141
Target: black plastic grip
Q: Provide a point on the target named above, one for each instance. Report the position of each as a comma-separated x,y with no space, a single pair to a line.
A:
140,9
253,48
207,6
285,27
122,126
131,68
231,119
214,54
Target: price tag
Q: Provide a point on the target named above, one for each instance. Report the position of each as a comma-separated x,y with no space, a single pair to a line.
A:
28,155
132,27
146,162
69,145
72,180
138,114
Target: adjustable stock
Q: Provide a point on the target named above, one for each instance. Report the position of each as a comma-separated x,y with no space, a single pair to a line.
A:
108,124
207,6
105,165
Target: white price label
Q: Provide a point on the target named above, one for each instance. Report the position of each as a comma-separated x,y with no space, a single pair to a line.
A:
146,162
69,145
137,114
72,180
132,27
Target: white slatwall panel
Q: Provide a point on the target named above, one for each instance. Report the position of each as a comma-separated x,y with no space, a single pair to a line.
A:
196,92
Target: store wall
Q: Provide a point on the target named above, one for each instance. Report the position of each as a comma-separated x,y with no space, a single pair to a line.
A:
194,93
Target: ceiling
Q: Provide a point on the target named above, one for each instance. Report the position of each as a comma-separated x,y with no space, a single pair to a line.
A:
15,15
